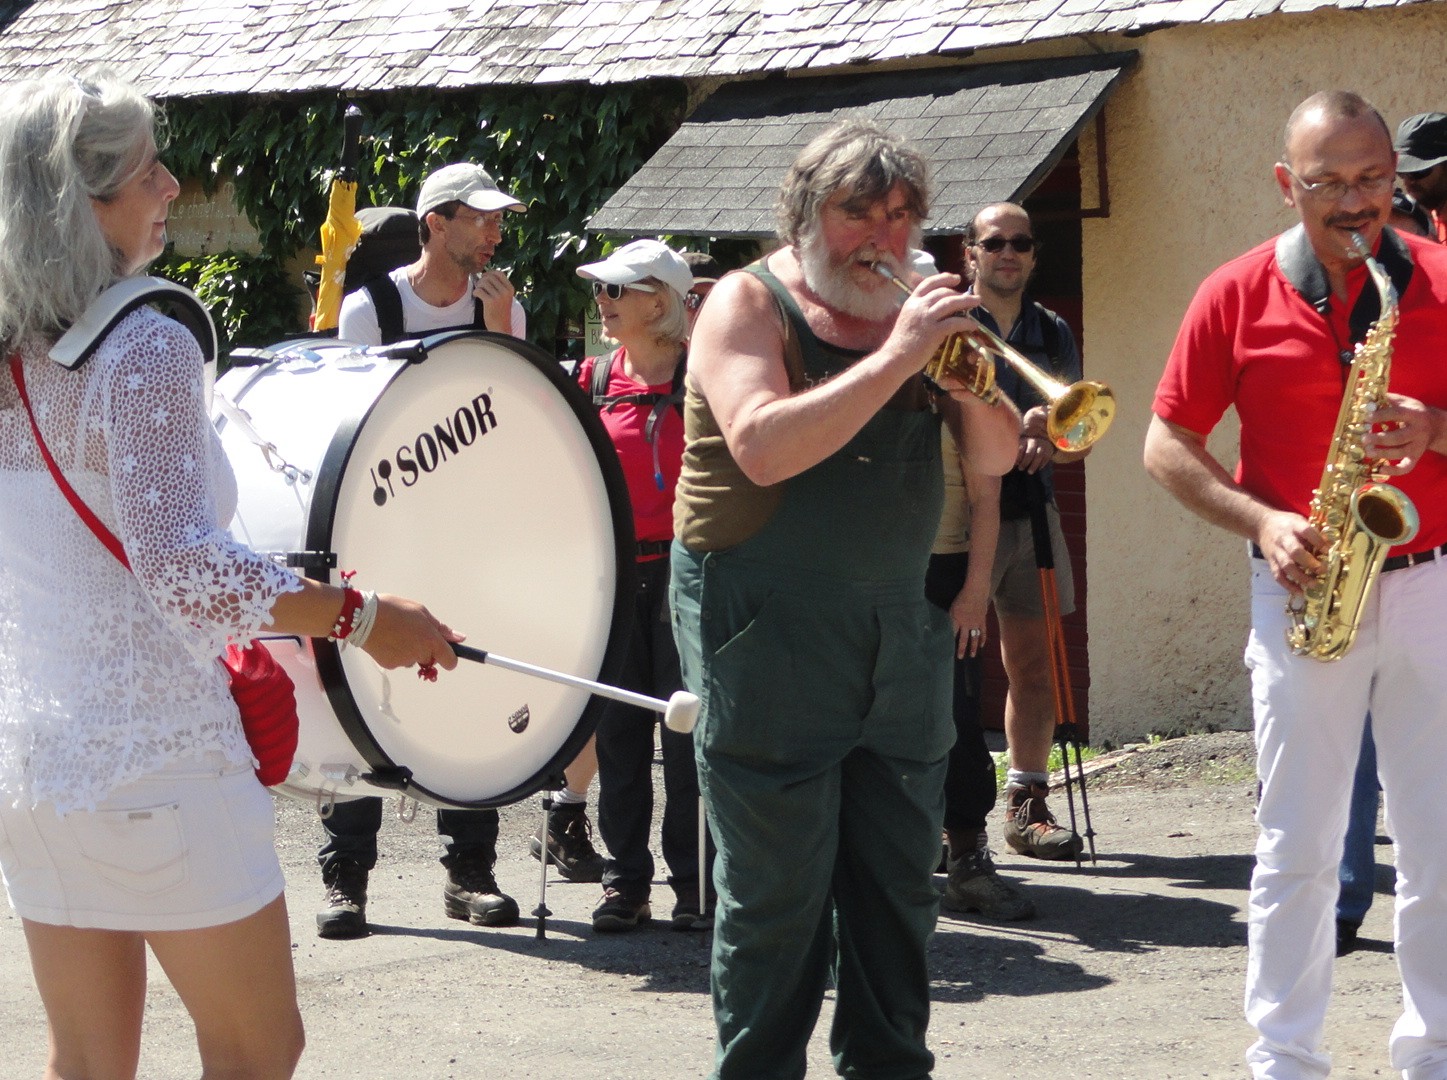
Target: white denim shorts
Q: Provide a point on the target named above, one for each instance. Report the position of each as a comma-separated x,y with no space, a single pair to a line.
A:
189,846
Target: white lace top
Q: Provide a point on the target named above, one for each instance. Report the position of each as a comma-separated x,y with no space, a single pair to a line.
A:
106,674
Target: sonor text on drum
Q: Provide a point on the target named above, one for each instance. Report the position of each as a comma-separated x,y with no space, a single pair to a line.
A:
430,449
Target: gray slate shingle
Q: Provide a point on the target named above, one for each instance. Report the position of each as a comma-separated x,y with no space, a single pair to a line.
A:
314,44
985,142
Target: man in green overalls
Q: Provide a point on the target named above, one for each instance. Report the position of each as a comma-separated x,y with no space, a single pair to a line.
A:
810,495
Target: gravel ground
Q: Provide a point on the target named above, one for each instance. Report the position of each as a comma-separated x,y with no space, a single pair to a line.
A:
1132,971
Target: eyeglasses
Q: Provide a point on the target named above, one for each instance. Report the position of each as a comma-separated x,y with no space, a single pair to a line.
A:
616,291
996,244
1336,190
693,301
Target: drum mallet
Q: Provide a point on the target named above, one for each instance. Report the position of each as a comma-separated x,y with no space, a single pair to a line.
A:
680,711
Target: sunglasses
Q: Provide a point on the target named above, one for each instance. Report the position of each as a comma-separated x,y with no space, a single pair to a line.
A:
996,244
615,291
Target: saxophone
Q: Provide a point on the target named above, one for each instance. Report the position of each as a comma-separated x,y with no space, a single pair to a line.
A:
1358,516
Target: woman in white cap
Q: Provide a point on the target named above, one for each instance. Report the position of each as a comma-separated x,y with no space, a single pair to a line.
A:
638,389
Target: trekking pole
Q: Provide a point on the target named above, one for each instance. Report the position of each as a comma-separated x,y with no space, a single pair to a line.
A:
1067,730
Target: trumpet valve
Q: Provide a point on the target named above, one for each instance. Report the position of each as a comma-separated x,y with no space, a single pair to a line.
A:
958,360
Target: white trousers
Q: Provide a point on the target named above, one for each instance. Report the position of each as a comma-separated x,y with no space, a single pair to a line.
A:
1309,718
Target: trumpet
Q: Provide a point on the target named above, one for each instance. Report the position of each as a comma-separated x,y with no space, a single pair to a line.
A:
1077,414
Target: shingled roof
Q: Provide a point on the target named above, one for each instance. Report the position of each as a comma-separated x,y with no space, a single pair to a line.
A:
199,47
993,132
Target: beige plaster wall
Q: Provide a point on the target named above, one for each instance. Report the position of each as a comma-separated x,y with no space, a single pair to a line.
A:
1192,134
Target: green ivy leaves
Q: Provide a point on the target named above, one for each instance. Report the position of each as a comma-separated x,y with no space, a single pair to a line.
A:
563,150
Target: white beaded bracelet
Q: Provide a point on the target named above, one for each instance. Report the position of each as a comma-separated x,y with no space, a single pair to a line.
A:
366,619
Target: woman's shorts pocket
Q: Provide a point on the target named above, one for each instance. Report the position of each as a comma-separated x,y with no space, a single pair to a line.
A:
141,850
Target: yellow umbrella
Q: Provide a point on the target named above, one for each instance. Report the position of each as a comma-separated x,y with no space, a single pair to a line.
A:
341,228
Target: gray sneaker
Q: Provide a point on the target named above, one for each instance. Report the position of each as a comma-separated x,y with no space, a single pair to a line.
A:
975,888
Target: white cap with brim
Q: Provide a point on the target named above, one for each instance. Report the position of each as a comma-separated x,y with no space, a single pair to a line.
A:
642,259
464,183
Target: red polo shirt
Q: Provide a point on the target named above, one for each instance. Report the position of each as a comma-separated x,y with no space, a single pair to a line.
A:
1249,339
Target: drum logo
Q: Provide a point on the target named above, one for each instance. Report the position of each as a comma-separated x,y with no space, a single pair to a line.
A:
518,721
429,449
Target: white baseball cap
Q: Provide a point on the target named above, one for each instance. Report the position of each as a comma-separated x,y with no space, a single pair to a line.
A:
464,183
642,259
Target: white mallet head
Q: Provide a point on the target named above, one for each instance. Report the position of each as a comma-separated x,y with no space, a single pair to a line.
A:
682,712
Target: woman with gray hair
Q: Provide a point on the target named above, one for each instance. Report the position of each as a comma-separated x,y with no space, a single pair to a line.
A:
130,814
638,389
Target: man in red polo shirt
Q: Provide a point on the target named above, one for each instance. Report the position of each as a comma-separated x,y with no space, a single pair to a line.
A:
1271,333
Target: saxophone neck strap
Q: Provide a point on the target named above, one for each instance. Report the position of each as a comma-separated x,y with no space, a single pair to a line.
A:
1298,262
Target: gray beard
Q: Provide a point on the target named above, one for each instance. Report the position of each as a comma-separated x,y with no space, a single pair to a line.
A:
830,283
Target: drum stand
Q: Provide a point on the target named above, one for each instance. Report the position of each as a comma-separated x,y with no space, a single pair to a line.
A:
541,912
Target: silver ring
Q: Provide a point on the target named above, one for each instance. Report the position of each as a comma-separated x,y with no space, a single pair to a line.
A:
974,633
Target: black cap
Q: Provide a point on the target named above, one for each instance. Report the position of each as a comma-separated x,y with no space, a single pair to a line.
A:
1421,142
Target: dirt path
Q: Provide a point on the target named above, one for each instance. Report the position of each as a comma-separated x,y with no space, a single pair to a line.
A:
1132,971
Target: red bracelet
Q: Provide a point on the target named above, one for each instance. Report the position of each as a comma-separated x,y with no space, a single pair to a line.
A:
347,619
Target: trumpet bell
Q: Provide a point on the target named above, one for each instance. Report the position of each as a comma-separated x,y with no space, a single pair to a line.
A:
1080,415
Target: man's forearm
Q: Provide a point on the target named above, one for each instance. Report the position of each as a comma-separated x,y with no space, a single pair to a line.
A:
1178,460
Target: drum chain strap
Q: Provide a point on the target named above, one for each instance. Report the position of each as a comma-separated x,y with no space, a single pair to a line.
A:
274,459
407,809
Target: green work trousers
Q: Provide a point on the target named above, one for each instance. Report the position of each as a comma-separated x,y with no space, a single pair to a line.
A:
822,752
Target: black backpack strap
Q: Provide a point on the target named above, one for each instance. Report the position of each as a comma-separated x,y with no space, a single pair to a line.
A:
602,372
1049,335
387,301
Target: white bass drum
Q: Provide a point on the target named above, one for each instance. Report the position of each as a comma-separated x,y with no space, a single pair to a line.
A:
464,470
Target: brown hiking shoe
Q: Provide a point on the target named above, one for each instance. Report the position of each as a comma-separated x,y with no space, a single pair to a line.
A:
570,844
344,911
470,892
1031,829
975,888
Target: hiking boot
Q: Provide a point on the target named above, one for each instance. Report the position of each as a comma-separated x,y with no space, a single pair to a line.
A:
975,888
344,910
687,915
620,912
471,893
1030,827
570,844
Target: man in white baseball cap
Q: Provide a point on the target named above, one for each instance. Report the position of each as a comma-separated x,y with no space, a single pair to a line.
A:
459,221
